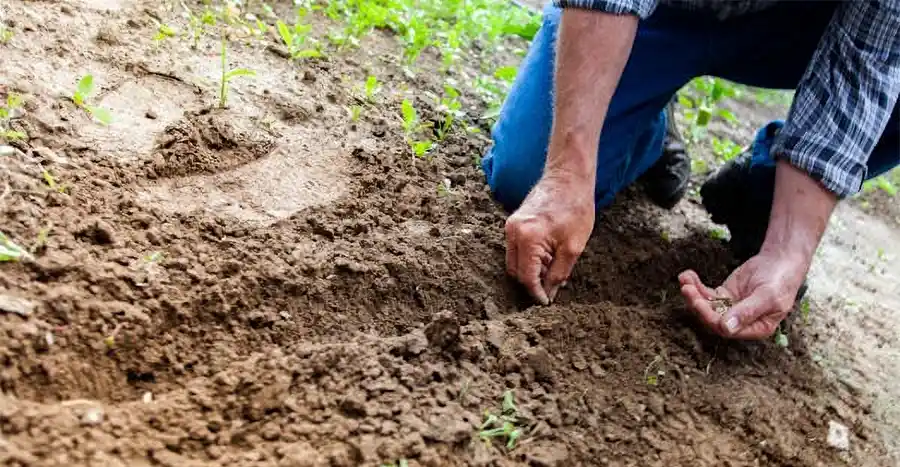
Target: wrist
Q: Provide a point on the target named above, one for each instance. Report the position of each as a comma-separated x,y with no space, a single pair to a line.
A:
572,162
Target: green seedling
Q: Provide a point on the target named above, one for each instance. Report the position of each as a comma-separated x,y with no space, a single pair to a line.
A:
6,34
412,126
355,113
372,88
198,24
725,149
717,233
227,76
163,32
804,309
51,182
294,38
781,339
451,109
7,112
653,372
10,251
83,91
506,73
399,463
503,426
701,99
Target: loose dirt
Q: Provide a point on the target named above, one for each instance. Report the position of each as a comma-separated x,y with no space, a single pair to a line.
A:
273,284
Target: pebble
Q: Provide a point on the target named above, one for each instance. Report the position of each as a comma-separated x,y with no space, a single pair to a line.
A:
16,305
838,436
92,416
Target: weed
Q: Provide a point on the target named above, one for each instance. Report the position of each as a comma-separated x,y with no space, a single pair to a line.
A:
227,76
83,91
294,38
503,426
10,251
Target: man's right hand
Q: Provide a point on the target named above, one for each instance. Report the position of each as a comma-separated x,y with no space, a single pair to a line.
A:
547,234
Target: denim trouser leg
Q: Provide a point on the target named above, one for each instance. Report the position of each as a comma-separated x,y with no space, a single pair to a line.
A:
632,137
768,49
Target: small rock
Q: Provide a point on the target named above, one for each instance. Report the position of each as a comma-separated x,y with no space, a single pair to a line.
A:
19,306
491,310
443,330
539,361
597,371
578,363
6,151
495,334
92,416
148,397
838,436
151,115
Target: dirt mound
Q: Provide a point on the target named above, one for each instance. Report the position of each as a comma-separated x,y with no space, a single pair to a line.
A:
207,142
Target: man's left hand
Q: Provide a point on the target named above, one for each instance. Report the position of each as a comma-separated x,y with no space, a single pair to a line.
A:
761,292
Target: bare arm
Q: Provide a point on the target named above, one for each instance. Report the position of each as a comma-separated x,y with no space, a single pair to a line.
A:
549,231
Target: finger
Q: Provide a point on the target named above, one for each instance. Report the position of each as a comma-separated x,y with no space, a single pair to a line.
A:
701,306
690,277
512,247
530,263
746,319
560,269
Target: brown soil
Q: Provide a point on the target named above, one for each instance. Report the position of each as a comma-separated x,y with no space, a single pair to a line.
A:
303,293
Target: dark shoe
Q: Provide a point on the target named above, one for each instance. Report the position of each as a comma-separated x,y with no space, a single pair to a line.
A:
666,182
739,196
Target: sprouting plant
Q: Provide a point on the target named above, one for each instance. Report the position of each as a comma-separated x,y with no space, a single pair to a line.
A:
13,102
451,110
51,182
717,233
10,251
412,126
399,463
701,100
804,309
227,76
6,34
503,426
506,73
725,149
294,38
163,32
199,23
83,91
355,113
372,88
653,371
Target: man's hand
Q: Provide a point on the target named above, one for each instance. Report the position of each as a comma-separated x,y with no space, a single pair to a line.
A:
547,234
762,292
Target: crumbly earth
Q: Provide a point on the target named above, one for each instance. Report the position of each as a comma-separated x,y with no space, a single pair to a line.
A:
273,284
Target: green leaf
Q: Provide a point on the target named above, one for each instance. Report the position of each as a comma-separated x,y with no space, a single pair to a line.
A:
307,53
886,186
239,72
371,86
685,101
101,114
509,403
85,88
48,178
9,251
652,380
727,115
14,101
409,115
703,115
421,147
781,339
13,135
506,73
285,34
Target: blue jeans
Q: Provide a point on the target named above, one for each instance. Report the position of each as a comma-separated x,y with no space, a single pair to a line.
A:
769,49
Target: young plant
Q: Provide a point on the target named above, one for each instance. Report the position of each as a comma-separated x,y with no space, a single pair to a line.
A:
163,32
227,76
355,113
372,88
294,38
10,251
7,112
6,34
198,24
412,126
503,426
83,91
451,109
725,149
51,182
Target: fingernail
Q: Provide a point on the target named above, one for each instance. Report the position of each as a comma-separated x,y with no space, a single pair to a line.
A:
731,324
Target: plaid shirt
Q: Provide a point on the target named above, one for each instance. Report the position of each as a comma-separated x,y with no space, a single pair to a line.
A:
846,96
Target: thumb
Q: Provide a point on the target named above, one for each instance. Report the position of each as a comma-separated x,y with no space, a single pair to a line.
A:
744,318
559,271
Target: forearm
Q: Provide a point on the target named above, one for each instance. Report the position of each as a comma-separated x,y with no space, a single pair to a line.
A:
800,213
593,48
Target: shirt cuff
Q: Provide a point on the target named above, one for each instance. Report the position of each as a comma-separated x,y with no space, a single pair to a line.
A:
838,174
641,8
